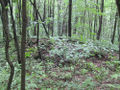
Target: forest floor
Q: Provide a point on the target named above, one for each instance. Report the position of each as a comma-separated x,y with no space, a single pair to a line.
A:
62,64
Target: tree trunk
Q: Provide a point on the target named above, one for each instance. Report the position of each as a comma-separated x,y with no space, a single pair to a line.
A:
23,43
37,30
100,21
70,19
49,16
35,21
118,6
53,12
76,21
44,14
64,29
19,15
115,24
58,19
5,21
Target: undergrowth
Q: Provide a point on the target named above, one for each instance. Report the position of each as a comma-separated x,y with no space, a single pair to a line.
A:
66,64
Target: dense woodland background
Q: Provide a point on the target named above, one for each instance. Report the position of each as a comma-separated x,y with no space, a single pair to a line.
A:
59,44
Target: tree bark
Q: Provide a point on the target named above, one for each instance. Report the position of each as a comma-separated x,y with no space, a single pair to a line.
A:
70,19
115,24
23,43
53,12
44,14
118,6
100,21
35,20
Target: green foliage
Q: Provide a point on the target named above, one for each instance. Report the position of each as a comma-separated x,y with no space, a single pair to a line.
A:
75,63
52,40
72,50
88,83
115,76
84,71
29,52
79,38
101,74
113,86
15,1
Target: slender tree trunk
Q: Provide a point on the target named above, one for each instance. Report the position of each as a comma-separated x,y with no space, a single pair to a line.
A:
100,21
34,14
19,15
66,26
95,25
23,43
64,29
70,19
58,19
53,12
118,6
76,21
44,14
49,16
84,19
37,30
90,24
115,24
5,21
95,20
